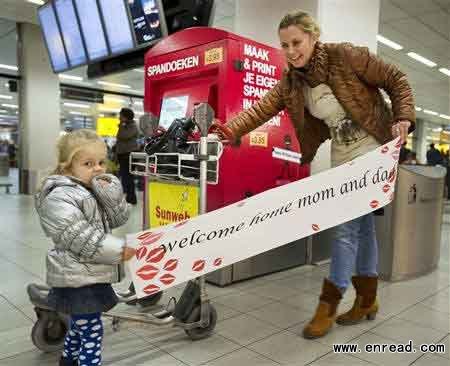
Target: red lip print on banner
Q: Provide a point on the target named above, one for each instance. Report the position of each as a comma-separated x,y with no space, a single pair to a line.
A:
147,272
391,177
217,262
181,223
152,238
386,188
398,145
384,149
315,227
151,289
374,204
144,235
167,279
140,253
171,264
155,255
198,265
395,154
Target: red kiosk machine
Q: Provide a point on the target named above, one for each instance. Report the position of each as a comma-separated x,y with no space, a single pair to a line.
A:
229,73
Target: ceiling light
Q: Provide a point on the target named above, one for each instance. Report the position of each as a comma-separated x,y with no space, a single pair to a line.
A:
113,99
77,113
106,109
445,71
418,109
139,70
421,59
77,105
38,2
70,77
5,96
388,42
439,129
138,102
107,83
10,106
9,67
101,115
444,116
433,113
3,111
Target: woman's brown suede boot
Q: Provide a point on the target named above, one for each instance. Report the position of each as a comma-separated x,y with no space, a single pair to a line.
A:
325,314
365,305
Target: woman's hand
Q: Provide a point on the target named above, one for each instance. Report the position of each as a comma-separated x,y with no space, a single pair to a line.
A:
401,129
128,253
222,131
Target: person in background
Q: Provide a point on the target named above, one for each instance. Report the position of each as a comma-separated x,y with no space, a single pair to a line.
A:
12,152
126,144
411,158
78,205
331,90
434,157
404,152
446,163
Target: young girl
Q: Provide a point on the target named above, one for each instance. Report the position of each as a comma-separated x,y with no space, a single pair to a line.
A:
78,206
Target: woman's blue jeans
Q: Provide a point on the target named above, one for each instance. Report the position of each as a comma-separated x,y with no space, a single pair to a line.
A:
354,244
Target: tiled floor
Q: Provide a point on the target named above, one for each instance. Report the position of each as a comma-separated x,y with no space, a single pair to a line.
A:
260,321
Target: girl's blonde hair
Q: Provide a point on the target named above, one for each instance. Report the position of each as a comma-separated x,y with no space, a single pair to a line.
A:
302,20
70,144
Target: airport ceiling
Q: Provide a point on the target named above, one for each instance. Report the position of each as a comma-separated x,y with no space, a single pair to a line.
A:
419,26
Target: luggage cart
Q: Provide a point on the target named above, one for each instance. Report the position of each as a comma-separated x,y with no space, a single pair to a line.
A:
193,312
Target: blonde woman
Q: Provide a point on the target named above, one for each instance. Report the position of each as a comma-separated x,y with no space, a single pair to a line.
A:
331,91
78,206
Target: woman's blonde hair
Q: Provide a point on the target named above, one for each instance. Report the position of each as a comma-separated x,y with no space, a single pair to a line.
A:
70,144
302,20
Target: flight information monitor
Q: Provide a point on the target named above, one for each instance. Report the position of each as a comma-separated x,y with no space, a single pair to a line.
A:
148,20
52,37
117,25
70,32
92,29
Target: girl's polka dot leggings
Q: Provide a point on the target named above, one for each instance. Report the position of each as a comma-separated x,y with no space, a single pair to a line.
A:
83,341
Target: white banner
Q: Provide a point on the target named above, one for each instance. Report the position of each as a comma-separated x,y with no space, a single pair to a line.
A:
172,254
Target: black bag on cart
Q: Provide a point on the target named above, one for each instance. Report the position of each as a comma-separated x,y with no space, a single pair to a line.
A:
174,141
187,302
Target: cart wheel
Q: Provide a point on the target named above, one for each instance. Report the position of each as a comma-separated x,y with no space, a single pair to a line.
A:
48,332
200,333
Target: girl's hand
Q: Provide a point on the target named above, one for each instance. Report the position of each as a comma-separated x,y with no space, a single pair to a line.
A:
103,182
401,129
128,253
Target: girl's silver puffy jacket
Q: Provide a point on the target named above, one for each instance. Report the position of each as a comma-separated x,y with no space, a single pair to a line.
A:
79,222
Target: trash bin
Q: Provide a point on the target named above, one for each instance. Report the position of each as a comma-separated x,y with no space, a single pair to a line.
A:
409,233
4,165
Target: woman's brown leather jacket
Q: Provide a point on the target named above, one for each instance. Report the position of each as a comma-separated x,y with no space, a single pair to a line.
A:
355,77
